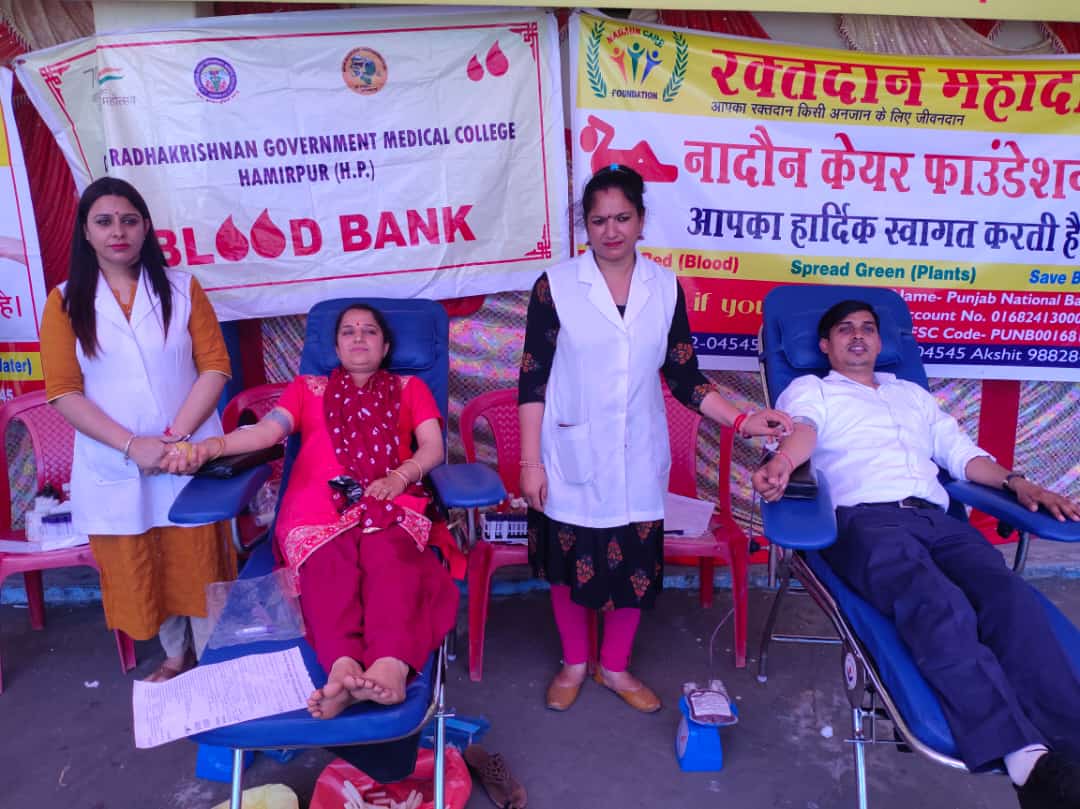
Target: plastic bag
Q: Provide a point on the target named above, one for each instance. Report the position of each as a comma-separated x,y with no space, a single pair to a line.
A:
252,610
340,784
270,796
264,502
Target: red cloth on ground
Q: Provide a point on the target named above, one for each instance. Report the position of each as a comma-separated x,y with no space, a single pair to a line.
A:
373,595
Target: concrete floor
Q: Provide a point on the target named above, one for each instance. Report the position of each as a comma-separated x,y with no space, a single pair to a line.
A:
66,737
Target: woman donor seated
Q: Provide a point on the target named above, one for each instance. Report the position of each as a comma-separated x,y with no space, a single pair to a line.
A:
351,523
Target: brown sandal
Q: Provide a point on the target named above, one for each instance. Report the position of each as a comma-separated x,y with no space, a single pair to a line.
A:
496,779
166,671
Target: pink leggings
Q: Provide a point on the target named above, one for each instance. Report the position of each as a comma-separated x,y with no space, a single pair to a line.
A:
572,620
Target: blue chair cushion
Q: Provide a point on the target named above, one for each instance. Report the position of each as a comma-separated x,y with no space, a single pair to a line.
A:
467,485
416,339
915,699
799,335
359,724
789,343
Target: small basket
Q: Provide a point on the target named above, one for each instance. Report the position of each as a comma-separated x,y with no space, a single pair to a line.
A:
507,527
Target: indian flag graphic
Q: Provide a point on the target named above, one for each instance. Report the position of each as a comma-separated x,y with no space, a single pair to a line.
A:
107,74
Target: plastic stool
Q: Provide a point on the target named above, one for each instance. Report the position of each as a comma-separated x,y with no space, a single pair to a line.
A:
215,763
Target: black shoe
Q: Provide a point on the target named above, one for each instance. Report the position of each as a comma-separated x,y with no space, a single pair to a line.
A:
1054,783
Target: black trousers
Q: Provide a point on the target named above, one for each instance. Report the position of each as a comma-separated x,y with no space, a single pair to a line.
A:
975,629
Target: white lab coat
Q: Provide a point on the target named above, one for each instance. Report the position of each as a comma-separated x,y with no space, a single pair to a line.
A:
604,436
140,378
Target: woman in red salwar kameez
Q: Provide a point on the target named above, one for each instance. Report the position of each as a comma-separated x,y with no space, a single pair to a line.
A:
375,603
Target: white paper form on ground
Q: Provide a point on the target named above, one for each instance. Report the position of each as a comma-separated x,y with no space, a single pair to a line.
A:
212,696
686,516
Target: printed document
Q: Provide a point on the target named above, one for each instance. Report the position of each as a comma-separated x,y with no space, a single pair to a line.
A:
220,694
686,516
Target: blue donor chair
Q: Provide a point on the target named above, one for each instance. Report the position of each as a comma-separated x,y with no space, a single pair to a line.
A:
880,676
421,330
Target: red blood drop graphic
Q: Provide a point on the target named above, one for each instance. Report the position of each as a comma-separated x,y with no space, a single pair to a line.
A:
496,61
475,70
266,237
230,242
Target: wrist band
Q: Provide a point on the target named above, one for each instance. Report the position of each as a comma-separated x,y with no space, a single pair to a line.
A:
530,465
404,479
738,423
419,468
786,457
127,447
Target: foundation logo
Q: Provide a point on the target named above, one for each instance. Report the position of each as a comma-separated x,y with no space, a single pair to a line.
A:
215,79
638,59
363,71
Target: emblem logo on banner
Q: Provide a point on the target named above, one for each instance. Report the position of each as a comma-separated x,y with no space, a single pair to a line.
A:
215,79
364,71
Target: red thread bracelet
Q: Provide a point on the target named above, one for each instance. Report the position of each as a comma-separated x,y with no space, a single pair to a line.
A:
737,424
786,457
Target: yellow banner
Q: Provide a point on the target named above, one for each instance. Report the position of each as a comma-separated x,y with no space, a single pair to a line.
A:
955,180
20,366
673,72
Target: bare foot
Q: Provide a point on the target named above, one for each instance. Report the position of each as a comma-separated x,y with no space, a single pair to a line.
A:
383,682
570,675
171,667
334,697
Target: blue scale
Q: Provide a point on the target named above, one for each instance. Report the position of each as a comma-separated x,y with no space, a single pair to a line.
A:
697,745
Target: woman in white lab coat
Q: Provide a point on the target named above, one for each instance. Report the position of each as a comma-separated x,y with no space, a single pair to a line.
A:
135,361
594,447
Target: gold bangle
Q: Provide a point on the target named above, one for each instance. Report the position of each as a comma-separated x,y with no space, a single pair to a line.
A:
404,479
221,446
419,468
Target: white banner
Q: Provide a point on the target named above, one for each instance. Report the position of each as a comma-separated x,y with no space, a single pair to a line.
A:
22,282
289,158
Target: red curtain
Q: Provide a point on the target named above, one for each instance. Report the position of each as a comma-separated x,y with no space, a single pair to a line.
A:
984,27
51,186
1067,34
738,23
227,9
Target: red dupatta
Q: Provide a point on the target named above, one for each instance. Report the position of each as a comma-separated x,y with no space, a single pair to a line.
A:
363,426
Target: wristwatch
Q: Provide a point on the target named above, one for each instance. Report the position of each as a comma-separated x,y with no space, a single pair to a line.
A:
1008,479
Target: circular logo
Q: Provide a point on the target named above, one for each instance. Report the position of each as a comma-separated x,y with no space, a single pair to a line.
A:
851,671
363,71
215,79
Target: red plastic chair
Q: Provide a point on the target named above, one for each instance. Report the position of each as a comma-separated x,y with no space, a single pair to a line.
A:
726,541
499,408
52,440
247,407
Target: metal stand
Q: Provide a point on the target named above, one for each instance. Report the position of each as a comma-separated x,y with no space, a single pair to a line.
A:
237,778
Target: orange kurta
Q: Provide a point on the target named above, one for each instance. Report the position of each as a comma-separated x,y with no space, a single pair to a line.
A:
148,577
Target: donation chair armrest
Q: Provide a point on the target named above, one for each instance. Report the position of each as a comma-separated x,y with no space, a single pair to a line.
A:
1004,506
467,485
801,524
206,500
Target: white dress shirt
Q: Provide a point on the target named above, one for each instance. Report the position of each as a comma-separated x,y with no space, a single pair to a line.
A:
879,444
